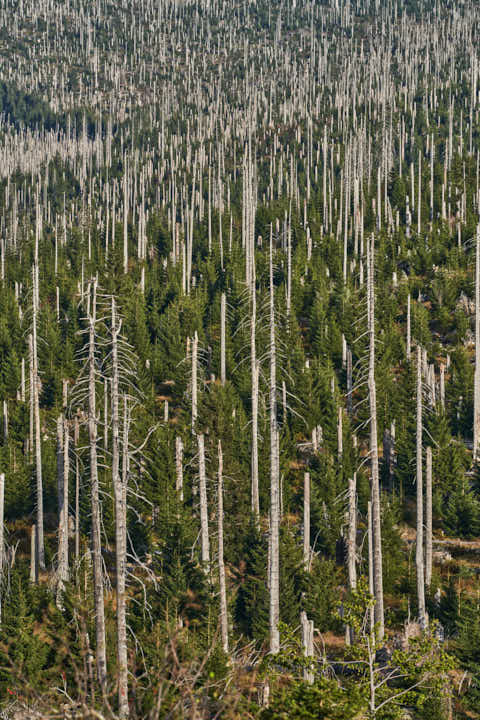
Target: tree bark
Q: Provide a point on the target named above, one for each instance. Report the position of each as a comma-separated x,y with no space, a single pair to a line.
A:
120,493
95,503
205,541
221,565
306,521
38,444
428,519
377,537
179,467
476,392
274,481
223,366
419,545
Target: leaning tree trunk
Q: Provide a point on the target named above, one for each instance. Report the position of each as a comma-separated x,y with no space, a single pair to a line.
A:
95,502
274,482
119,488
221,564
377,537
419,546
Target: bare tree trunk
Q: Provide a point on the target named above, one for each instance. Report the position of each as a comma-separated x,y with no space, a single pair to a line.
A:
371,588
307,644
274,481
194,380
255,372
2,533
428,519
476,392
223,366
419,546
125,222
76,433
119,488
442,386
377,538
63,510
409,327
32,397
221,565
306,521
38,445
33,556
205,541
96,537
352,543
179,467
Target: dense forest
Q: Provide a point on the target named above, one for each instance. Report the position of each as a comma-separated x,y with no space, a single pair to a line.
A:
240,359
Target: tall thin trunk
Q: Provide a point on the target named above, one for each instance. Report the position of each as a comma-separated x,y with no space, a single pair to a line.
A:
419,546
352,543
76,434
428,519
33,555
125,222
223,366
274,481
179,467
409,327
377,537
306,521
63,512
119,488
38,445
476,392
95,501
371,588
2,532
221,565
194,380
205,540
255,373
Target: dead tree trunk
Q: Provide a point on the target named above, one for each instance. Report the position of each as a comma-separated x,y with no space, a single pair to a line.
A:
255,372
36,411
274,481
63,512
205,540
221,565
306,521
179,467
223,365
377,538
476,392
352,543
95,501
419,545
307,644
120,492
428,519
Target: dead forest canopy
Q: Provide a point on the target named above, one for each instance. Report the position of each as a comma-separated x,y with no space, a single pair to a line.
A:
240,359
